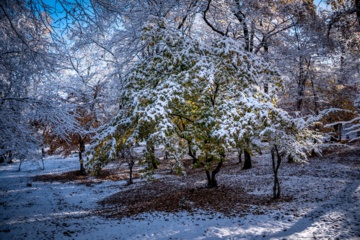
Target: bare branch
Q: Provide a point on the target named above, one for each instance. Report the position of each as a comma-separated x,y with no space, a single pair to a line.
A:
208,23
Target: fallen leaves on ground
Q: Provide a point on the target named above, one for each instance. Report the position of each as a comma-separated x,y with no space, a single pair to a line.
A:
78,177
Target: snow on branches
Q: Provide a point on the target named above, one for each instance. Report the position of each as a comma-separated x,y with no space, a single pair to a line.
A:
192,97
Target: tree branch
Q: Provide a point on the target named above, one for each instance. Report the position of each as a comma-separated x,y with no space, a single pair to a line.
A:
208,23
338,15
12,26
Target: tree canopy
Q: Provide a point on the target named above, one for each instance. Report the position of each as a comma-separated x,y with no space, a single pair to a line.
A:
191,97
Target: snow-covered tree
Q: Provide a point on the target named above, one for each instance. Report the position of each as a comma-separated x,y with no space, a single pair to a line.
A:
88,80
28,101
290,138
191,97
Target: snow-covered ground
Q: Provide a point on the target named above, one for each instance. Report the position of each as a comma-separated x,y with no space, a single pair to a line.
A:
325,204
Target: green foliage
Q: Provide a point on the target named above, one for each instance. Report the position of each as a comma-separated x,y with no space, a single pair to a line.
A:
188,94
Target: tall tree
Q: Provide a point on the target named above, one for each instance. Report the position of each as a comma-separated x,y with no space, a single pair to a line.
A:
190,94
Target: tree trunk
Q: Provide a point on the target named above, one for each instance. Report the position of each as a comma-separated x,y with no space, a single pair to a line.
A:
131,165
300,94
42,158
338,131
192,154
266,50
20,163
316,98
211,176
247,162
357,5
81,150
249,37
252,34
43,153
239,154
150,158
9,156
304,66
276,165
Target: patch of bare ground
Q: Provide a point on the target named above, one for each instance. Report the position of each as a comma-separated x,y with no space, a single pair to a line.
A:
162,195
344,154
63,178
351,154
174,193
339,149
78,177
